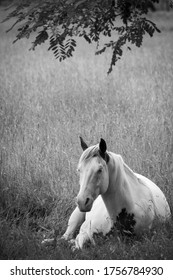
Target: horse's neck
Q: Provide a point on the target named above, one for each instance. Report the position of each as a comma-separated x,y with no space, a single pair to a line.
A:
118,195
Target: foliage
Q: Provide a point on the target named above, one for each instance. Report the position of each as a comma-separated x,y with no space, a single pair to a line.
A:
59,21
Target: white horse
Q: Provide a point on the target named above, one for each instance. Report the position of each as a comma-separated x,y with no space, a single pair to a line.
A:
108,190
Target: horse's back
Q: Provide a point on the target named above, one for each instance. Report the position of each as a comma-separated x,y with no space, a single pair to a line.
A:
162,210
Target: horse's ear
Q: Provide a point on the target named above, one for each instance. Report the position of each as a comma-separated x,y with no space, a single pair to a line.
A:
102,150
83,144
102,146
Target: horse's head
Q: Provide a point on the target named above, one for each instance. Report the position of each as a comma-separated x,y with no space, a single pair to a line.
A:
94,177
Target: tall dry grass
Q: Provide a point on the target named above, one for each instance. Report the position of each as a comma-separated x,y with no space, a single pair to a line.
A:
44,107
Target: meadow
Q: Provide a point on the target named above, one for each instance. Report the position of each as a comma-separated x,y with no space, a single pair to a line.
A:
46,105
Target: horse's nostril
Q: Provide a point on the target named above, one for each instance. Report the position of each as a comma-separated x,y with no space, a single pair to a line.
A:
87,201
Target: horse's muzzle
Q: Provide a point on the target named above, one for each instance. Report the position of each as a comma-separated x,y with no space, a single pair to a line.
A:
84,205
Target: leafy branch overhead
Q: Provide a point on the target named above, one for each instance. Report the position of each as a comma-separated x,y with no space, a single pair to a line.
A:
123,22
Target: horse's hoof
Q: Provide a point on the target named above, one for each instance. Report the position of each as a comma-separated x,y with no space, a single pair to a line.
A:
72,244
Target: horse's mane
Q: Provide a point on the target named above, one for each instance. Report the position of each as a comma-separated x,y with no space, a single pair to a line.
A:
89,153
128,171
123,167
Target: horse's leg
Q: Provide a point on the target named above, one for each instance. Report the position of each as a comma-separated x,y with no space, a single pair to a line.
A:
81,239
76,219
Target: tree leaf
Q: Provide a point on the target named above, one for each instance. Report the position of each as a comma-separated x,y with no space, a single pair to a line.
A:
91,19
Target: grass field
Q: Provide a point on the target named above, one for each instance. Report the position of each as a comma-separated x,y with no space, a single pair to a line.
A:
45,105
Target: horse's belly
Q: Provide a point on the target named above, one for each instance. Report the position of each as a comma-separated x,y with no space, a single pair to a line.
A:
160,204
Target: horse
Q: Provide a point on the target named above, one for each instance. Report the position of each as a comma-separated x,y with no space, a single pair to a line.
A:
109,189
